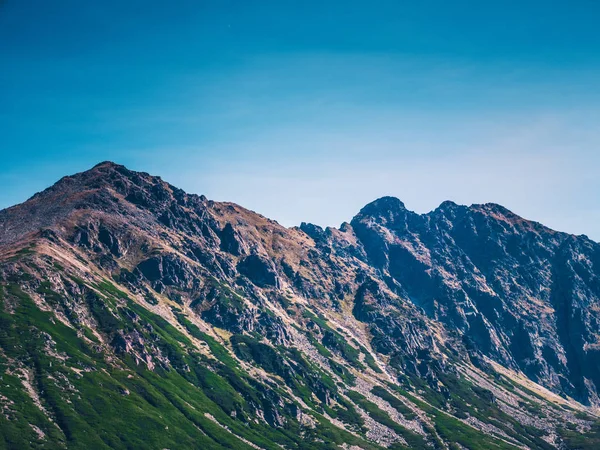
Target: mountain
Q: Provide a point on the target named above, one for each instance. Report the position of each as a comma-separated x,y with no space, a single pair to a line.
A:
135,315
520,293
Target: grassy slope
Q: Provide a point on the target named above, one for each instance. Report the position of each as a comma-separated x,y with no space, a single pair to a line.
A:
129,406
91,402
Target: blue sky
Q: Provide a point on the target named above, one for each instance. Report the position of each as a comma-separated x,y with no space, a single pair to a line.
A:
306,111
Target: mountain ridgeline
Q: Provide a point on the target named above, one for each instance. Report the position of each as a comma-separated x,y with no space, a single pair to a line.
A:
135,315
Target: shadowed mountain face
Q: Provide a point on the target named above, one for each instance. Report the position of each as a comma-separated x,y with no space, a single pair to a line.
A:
136,315
516,291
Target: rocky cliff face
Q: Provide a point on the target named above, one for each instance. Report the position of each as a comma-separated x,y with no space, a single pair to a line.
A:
516,291
210,325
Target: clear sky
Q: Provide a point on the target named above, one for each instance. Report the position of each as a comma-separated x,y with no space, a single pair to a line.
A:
306,110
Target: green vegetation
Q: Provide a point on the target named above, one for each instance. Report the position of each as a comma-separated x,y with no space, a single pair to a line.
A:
371,361
347,413
334,341
453,430
464,399
109,289
582,441
265,356
414,440
25,251
215,347
103,405
398,405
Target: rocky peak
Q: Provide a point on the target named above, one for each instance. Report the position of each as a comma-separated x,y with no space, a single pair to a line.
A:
314,231
108,164
447,208
104,174
107,188
383,206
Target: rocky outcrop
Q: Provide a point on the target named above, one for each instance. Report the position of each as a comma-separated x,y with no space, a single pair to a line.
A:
259,270
232,242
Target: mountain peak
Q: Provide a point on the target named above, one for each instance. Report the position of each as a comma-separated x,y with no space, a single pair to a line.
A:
107,187
103,174
447,204
110,164
383,205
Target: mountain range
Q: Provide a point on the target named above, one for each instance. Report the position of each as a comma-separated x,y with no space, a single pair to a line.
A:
136,315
